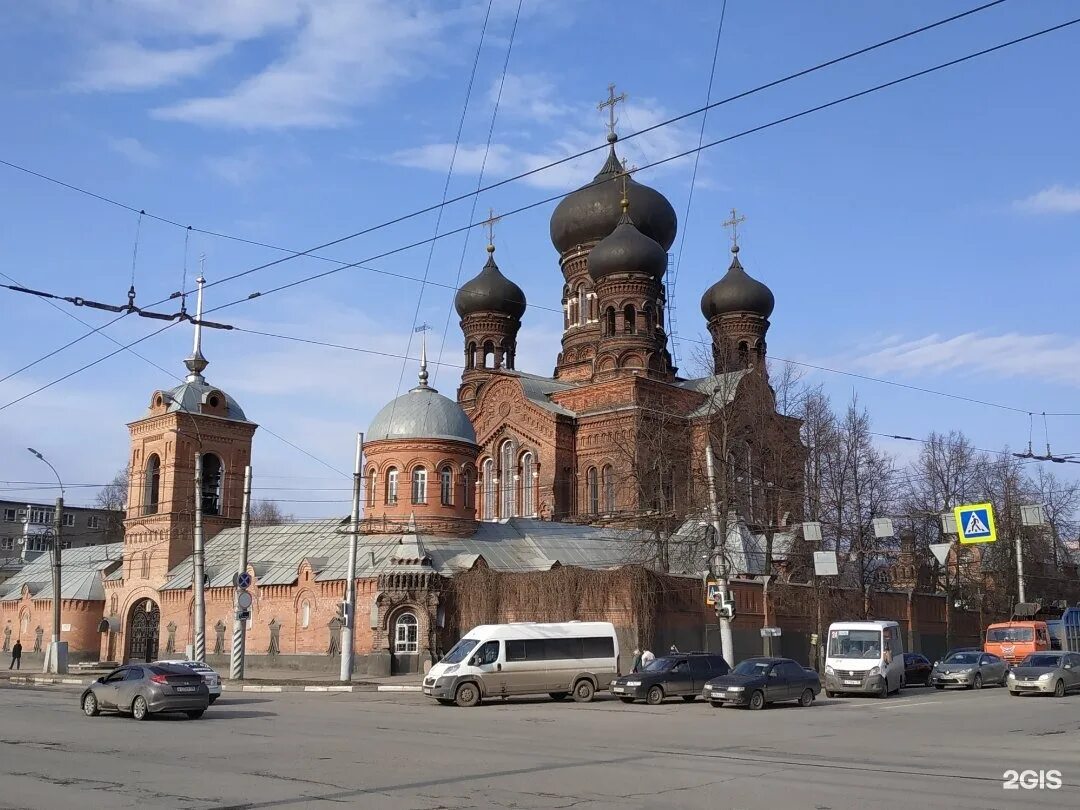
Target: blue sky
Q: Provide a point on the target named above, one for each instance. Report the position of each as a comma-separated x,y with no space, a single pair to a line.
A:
926,233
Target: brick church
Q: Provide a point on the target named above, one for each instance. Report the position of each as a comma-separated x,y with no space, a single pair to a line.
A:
522,475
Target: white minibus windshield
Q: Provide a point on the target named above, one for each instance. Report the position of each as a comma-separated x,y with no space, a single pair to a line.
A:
855,644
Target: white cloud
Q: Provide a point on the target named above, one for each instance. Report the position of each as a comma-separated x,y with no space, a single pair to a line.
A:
1053,200
1050,357
527,95
135,151
346,53
236,170
129,66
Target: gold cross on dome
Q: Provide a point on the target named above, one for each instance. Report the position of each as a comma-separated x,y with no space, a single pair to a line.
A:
734,223
627,170
490,223
610,103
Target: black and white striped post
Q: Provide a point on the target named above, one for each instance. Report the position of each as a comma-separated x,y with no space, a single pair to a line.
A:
239,636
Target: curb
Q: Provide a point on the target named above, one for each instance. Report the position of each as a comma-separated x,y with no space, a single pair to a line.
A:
31,680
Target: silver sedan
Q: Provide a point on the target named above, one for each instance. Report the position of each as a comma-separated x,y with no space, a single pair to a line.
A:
970,669
1046,673
144,689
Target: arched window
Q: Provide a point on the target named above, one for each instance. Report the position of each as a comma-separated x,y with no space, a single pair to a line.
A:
607,481
506,478
470,355
647,314
528,473
489,355
629,319
609,321
305,613
660,314
391,485
406,633
744,354
419,485
583,305
468,484
446,486
212,476
152,485
592,493
489,489
372,480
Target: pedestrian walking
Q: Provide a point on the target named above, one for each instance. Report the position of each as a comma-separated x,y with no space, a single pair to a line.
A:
636,666
647,658
16,655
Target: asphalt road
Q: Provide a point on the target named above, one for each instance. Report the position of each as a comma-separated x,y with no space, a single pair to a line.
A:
924,749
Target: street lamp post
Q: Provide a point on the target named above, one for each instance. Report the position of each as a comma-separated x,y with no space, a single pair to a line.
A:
56,656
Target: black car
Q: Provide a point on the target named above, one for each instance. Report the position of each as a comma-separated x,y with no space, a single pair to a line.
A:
756,682
916,670
684,675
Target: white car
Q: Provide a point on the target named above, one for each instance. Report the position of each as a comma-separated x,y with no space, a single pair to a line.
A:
212,679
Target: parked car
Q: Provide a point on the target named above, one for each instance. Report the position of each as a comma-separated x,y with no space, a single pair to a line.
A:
970,669
916,670
145,689
683,675
213,680
757,682
1046,673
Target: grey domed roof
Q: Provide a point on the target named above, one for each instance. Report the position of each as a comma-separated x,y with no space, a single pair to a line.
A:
737,292
627,250
189,396
490,291
592,212
422,413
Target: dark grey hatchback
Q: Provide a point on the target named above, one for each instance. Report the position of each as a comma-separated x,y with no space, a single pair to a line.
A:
681,675
757,682
144,689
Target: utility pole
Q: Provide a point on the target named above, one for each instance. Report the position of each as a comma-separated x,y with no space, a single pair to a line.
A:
198,579
350,576
1020,566
720,534
56,658
239,636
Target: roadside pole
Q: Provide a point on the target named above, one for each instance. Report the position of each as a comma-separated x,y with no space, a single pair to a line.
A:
198,580
239,636
56,661
1020,566
350,575
726,644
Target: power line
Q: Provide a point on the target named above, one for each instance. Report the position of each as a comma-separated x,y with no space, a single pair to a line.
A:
311,251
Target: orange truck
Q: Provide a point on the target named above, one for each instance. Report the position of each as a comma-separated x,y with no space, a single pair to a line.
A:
1015,640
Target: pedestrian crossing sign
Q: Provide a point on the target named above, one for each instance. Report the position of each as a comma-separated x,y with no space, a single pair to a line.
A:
975,523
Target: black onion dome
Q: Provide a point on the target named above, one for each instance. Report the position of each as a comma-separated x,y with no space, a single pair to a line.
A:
737,292
490,291
627,250
592,212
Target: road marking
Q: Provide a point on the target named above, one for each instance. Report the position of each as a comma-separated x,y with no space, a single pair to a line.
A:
893,705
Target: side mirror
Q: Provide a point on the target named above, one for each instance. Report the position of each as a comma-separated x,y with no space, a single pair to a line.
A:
100,680
474,661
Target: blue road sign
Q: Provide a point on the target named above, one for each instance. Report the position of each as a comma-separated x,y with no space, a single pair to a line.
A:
243,580
975,523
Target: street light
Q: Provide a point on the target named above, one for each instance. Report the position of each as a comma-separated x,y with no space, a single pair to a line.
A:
56,657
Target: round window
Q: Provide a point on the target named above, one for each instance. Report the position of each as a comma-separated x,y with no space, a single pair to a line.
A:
214,401
157,401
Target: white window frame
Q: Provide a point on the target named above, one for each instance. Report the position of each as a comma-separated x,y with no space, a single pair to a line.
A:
93,522
402,643
419,485
305,614
391,485
68,519
528,474
446,486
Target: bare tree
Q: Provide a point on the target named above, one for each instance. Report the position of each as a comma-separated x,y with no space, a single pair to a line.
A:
114,494
268,513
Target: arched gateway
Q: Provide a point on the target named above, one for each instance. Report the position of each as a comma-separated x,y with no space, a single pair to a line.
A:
143,624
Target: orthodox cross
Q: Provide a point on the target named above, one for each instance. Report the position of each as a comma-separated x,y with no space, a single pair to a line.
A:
610,103
490,223
734,223
627,170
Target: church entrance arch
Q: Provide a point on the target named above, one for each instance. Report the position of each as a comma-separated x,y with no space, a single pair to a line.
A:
144,621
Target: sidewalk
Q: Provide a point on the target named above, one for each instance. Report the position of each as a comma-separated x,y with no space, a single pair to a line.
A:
268,681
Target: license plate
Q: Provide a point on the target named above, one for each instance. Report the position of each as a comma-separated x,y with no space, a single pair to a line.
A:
1029,683
619,689
187,689
719,695
427,690
852,683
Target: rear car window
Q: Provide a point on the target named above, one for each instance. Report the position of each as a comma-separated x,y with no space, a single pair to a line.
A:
169,669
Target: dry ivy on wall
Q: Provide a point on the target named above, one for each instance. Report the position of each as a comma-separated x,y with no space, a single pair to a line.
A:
631,596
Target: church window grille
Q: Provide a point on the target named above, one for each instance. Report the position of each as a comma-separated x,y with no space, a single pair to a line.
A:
212,475
153,484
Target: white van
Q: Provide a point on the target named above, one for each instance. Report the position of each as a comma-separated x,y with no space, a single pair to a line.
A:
866,657
527,658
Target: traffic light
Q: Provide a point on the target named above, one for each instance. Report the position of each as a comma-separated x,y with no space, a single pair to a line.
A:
343,612
725,609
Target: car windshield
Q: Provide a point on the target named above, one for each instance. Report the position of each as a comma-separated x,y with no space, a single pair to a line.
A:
1042,661
751,668
1010,634
962,658
660,665
460,651
855,644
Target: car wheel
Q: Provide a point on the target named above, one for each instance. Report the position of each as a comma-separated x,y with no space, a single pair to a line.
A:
883,692
626,700
90,705
976,683
689,698
1059,688
717,704
584,691
939,686
468,695
558,695
445,702
655,695
213,698
1014,694
195,714
830,694
139,709
806,698
757,700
